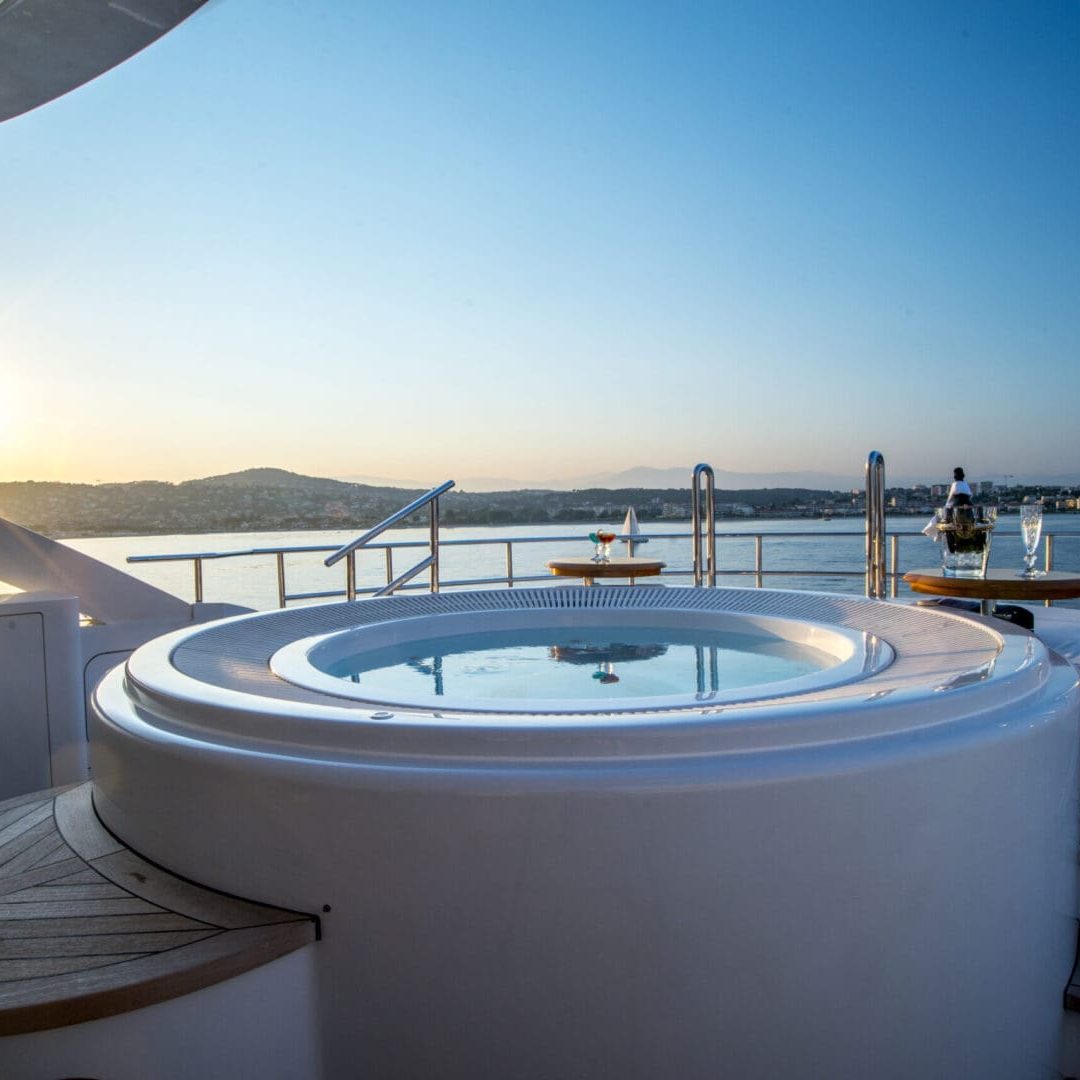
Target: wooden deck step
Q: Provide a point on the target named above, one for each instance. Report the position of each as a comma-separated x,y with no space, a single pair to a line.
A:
88,929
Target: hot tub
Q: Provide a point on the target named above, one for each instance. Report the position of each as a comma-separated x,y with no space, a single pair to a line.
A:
867,867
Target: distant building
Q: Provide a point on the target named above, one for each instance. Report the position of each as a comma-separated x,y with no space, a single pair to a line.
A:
986,487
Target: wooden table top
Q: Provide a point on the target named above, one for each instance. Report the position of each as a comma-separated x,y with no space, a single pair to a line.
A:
997,585
618,566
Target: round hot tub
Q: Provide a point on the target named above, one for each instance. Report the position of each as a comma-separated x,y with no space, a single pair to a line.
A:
579,660
706,832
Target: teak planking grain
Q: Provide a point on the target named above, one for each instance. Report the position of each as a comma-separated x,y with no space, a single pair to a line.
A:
89,929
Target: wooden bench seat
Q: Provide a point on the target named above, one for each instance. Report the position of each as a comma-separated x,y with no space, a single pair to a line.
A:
89,929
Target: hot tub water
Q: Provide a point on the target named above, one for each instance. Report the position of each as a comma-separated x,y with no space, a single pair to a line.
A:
578,663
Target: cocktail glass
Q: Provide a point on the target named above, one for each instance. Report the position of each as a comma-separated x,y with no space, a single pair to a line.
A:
606,539
605,673
594,538
1030,531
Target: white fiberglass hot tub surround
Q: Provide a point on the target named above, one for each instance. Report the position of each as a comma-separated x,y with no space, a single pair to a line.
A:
870,875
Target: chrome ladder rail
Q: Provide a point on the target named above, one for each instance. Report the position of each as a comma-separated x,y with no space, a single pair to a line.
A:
696,523
349,550
875,526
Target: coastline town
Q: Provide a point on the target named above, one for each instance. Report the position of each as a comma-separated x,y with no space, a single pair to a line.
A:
275,499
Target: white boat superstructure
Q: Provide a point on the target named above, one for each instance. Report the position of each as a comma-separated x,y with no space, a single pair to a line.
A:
52,47
73,620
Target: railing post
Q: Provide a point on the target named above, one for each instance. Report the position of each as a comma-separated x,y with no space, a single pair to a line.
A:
696,523
198,581
875,526
389,563
281,579
435,545
350,576
509,564
894,559
1049,541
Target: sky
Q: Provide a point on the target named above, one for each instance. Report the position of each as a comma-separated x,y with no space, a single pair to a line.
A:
540,241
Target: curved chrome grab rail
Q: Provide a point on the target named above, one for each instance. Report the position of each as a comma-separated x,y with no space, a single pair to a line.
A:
695,522
875,525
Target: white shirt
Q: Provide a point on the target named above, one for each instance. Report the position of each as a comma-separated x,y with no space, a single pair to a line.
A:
959,487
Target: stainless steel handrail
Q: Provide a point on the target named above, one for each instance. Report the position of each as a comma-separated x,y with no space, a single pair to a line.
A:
348,551
875,526
516,575
695,522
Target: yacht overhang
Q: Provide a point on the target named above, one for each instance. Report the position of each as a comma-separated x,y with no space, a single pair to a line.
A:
48,47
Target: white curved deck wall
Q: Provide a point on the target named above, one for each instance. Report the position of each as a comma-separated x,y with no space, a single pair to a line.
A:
262,1024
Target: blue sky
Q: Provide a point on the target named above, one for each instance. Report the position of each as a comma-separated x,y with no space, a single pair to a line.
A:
541,241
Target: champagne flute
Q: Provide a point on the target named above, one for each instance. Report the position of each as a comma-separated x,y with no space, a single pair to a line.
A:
1031,530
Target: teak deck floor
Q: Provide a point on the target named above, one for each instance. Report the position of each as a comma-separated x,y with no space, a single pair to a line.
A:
89,929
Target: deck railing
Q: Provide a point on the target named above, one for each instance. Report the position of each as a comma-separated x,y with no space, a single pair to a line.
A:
431,563
757,572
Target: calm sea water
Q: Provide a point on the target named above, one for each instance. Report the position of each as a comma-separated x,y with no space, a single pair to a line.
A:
805,549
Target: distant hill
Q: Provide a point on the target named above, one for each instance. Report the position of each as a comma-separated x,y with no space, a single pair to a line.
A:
679,477
269,499
285,481
277,500
262,478
263,499
282,478
642,476
649,478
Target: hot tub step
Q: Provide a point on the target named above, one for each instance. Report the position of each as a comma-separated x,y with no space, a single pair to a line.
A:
89,929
